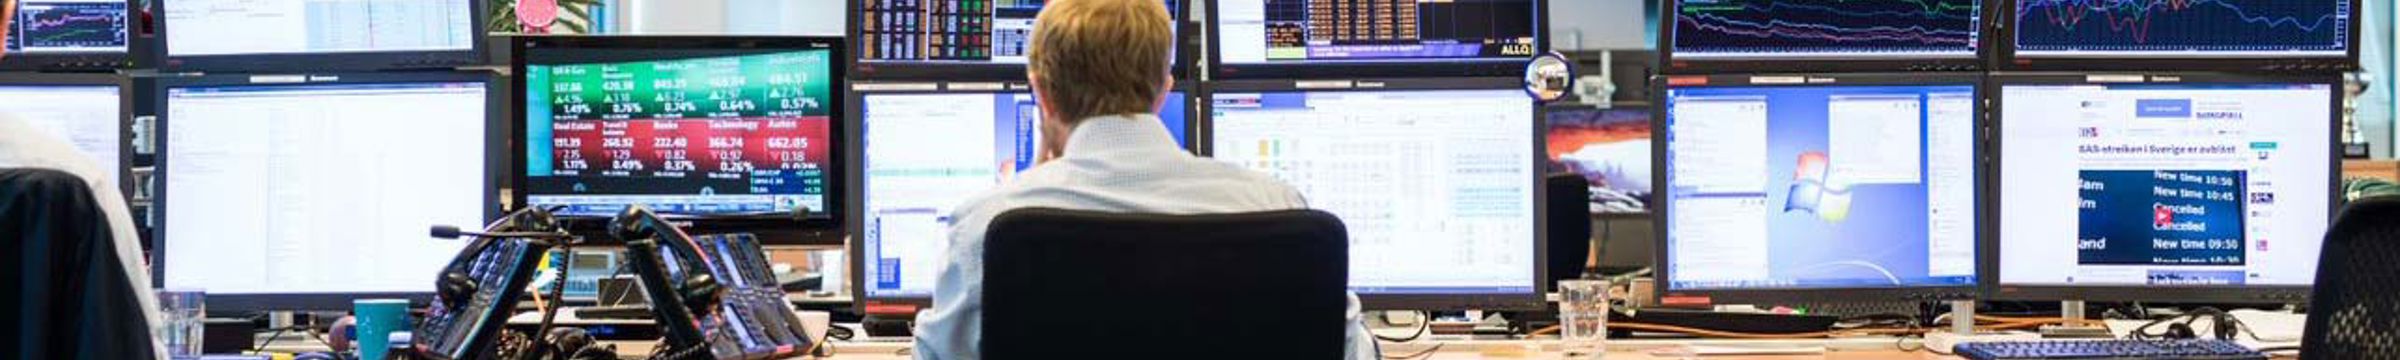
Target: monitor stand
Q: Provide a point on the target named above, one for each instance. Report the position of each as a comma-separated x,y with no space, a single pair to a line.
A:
2072,324
1962,330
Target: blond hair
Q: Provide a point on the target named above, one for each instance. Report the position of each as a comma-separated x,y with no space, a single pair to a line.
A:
1101,57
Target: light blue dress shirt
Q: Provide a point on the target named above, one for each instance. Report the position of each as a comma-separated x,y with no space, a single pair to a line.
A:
1125,163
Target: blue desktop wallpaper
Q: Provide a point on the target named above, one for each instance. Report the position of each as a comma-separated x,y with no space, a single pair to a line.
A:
1016,120
1881,242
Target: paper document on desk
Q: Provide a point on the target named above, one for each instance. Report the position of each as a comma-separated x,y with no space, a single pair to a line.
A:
1709,350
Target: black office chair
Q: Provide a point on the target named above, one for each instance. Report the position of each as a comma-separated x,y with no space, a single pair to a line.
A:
2355,307
1122,286
68,290
1570,245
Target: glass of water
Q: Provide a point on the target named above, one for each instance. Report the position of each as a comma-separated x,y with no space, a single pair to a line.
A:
180,321
1583,317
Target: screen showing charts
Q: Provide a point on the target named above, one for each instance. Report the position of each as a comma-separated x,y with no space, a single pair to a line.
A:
955,31
1800,187
1610,148
251,27
1297,31
1732,29
2183,28
319,188
1437,187
67,26
713,135
928,153
2221,184
87,116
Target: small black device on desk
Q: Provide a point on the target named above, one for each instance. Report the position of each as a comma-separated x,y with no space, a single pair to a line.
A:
2188,349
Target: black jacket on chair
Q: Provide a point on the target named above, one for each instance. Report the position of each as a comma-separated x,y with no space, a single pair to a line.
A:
69,294
1062,284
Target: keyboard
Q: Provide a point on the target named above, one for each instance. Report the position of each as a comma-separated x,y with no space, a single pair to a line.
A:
2109,349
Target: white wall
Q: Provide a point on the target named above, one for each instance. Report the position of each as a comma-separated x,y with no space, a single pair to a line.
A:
674,16
758,17
785,17
1603,24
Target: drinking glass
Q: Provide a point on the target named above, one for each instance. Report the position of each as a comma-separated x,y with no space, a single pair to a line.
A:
1583,318
180,321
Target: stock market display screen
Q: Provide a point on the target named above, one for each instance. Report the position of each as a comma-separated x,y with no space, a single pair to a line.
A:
67,26
2184,28
1862,29
951,31
700,133
1299,31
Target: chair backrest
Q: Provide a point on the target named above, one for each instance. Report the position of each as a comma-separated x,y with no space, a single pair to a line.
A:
1125,286
1570,246
2354,308
69,292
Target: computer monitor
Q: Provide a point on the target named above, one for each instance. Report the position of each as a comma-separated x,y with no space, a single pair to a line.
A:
2082,35
87,110
923,153
68,35
1438,180
983,40
1283,39
1700,36
1609,148
2163,187
348,35
305,192
1814,187
736,134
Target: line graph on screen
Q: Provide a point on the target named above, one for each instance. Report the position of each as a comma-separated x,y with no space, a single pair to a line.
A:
2194,26
1862,27
70,25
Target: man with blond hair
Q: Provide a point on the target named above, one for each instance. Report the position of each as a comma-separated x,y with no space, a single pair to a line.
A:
1099,72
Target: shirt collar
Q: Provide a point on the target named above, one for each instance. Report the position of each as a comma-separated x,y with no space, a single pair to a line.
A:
1120,133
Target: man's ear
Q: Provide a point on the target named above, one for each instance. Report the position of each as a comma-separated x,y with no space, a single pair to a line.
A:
8,13
1165,93
1041,98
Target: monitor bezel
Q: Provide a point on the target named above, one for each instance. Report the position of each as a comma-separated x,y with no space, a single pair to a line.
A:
167,61
1217,69
828,230
105,61
919,70
1532,300
255,302
1989,253
126,92
1662,209
2003,29
1669,64
855,182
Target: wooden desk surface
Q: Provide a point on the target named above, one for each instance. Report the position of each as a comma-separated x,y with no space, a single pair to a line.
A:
2384,169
